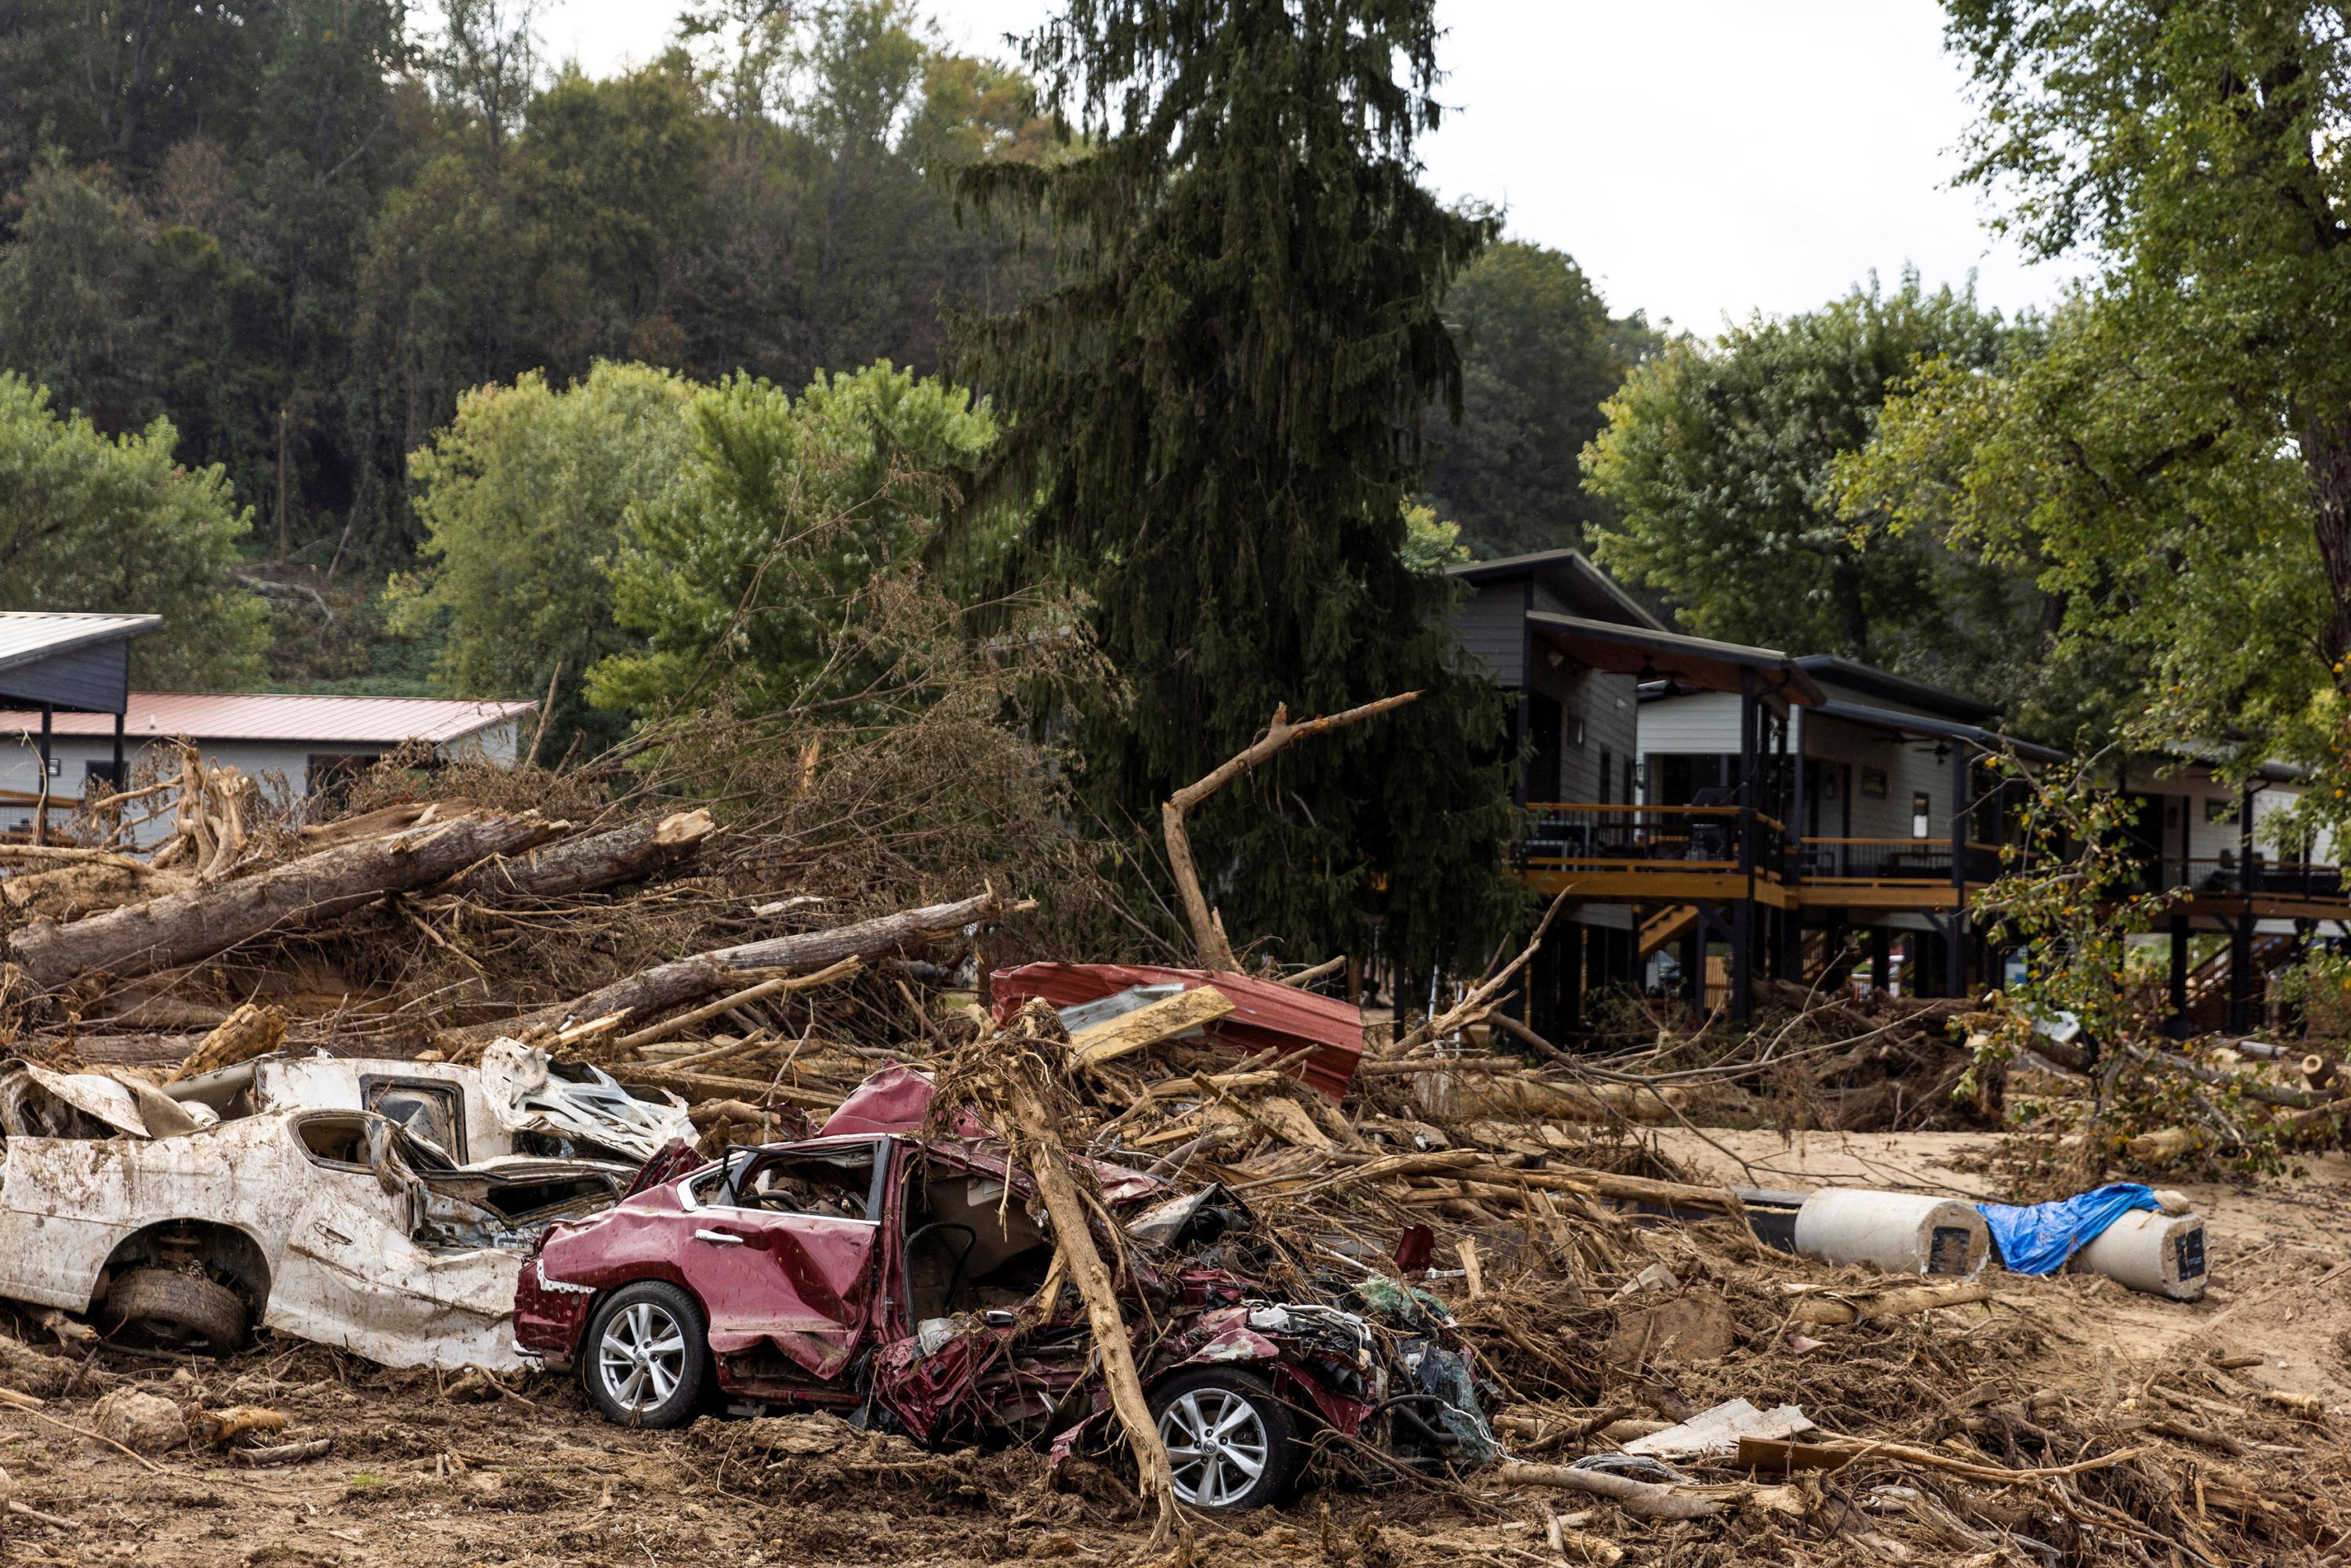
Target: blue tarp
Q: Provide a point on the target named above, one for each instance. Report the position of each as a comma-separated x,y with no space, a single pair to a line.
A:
2037,1238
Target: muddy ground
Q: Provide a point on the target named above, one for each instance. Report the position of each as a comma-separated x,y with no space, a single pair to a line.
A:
423,1475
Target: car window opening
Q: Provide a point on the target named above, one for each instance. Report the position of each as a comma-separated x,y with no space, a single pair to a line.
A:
829,1185
962,1254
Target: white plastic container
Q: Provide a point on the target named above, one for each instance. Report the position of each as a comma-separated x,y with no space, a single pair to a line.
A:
1900,1232
2162,1254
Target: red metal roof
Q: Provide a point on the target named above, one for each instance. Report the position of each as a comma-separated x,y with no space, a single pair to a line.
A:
329,720
1266,1017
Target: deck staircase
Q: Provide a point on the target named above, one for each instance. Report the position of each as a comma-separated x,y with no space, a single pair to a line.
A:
2208,982
1665,925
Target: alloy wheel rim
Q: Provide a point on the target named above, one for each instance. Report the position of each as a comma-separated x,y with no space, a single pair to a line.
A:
1216,1445
642,1358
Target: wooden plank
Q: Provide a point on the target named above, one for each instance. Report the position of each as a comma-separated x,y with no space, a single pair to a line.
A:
1146,1026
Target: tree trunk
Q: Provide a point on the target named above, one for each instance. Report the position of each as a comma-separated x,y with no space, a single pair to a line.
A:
182,927
688,979
2326,455
1040,1149
631,853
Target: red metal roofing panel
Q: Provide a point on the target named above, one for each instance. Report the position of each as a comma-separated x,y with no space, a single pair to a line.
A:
1266,1017
326,720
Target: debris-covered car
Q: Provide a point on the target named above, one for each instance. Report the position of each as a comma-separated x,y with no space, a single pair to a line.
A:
381,1207
874,1273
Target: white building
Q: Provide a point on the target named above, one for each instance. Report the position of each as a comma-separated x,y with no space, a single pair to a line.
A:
289,743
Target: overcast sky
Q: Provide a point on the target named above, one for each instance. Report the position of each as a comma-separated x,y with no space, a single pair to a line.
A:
1698,158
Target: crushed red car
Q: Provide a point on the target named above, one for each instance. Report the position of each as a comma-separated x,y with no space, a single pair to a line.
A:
875,1274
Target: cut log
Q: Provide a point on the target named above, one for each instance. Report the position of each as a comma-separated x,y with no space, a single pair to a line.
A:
1147,1026
635,851
689,980
1646,1498
247,1032
200,922
2163,1147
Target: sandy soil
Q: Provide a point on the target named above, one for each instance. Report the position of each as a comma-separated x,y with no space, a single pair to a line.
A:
2279,1252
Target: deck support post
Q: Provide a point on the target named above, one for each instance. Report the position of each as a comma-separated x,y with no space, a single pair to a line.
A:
1742,916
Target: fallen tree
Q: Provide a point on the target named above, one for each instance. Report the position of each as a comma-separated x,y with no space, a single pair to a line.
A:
690,979
635,851
200,922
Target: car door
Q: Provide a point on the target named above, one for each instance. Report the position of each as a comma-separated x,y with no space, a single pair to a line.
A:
783,1247
352,1273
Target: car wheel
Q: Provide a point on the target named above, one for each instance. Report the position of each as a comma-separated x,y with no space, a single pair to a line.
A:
182,1311
1233,1444
648,1355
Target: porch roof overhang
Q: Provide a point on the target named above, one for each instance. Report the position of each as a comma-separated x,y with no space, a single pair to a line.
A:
81,663
1700,661
1912,724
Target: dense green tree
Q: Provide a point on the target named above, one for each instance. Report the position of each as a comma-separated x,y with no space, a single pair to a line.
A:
72,317
1217,409
1720,462
1540,353
2180,462
788,516
522,497
615,172
94,522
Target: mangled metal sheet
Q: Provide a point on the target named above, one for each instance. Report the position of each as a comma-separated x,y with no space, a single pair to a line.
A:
1268,1018
527,1093
36,1102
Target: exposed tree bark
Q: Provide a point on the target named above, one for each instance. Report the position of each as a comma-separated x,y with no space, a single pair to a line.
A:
1207,930
182,927
384,819
671,1027
684,980
631,853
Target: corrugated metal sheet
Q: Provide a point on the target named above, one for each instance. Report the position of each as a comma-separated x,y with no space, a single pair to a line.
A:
1266,1017
326,720
28,635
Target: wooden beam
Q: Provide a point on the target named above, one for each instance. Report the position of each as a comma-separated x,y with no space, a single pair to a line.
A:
1147,1026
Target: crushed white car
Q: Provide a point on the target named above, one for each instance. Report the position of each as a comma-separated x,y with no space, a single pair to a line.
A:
378,1205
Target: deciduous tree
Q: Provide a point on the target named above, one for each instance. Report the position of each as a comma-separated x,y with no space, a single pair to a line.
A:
94,522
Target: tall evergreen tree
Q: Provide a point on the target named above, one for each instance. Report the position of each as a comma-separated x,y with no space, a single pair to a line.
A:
1217,410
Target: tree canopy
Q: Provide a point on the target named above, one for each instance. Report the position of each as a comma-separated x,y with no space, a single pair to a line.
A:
2180,462
1217,408
747,577
523,496
1540,355
115,523
1720,462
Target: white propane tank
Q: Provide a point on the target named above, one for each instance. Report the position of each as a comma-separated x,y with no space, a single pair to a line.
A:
1900,1232
2162,1254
